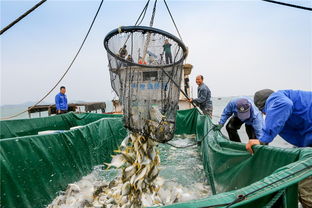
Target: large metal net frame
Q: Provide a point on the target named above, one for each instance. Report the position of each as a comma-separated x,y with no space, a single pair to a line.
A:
145,67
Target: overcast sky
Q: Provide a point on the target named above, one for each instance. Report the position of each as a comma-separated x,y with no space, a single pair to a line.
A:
238,46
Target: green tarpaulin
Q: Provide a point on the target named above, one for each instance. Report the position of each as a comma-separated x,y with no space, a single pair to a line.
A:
35,167
24,127
257,179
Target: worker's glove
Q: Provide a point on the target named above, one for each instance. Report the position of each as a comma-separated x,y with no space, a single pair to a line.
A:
217,127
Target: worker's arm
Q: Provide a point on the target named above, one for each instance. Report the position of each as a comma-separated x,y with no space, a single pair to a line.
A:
202,96
257,125
277,113
227,112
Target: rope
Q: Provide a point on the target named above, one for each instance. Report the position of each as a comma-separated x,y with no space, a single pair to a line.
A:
138,21
277,196
21,17
180,147
175,25
243,197
142,13
148,38
216,116
153,14
67,70
202,139
290,5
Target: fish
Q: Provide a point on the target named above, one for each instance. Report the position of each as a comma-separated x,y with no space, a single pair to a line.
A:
117,161
138,185
137,157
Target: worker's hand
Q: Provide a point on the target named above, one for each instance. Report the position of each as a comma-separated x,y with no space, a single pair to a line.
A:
251,143
58,111
217,127
190,100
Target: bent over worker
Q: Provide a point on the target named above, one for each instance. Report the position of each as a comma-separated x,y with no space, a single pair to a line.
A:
242,111
289,114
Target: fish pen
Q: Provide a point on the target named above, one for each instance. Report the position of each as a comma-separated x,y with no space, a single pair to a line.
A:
35,169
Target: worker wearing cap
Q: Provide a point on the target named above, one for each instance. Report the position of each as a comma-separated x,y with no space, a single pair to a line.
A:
289,114
241,111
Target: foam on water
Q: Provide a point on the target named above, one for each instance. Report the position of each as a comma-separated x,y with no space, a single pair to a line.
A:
181,172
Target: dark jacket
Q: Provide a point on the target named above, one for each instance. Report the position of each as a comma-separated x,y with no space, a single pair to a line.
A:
204,97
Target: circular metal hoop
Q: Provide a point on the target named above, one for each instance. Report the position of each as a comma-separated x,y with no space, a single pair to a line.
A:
143,30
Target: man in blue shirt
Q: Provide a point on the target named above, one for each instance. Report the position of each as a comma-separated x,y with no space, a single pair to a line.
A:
289,114
61,101
204,96
242,111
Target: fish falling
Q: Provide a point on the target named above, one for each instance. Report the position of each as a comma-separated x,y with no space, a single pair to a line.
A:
139,161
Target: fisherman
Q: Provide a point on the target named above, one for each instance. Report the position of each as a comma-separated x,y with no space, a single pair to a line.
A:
204,96
123,52
61,101
141,61
289,114
150,59
167,51
129,58
186,85
242,111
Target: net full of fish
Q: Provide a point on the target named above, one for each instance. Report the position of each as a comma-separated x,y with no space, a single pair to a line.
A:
136,180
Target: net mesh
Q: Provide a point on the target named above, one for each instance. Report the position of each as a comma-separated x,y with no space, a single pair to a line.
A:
145,70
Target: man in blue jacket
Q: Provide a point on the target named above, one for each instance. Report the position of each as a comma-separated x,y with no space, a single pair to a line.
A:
289,114
61,101
242,111
203,99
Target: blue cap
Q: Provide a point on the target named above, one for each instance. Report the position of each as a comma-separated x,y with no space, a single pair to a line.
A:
243,109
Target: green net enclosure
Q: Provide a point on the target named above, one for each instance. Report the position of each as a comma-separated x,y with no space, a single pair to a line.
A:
145,67
34,168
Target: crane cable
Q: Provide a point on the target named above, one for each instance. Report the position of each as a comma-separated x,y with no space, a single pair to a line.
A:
290,5
22,16
175,25
67,70
142,13
153,14
138,21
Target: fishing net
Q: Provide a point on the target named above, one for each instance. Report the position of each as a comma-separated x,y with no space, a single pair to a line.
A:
146,70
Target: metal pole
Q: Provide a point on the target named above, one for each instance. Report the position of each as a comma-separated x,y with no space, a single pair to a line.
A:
177,85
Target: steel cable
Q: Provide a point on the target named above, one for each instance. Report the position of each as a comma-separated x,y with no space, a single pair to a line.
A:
67,70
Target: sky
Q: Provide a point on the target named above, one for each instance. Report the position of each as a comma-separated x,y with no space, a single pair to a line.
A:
238,46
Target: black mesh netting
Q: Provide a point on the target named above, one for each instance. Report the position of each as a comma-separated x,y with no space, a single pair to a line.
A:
145,69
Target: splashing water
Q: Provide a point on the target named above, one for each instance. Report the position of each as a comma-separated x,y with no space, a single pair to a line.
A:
181,178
